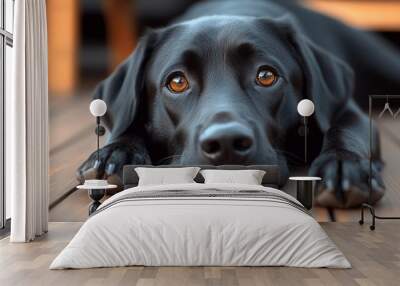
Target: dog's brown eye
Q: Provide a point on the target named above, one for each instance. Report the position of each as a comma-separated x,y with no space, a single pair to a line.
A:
178,83
266,77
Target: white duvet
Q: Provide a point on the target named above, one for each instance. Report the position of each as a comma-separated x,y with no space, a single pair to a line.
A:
188,231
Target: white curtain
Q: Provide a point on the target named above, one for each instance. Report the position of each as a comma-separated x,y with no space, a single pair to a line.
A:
27,124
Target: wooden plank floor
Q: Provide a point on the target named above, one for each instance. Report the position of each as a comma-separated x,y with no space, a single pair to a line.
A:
72,140
374,255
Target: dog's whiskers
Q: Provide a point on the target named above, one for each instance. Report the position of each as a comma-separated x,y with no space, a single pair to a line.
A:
162,160
292,158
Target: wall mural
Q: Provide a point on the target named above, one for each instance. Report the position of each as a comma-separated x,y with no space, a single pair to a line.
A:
219,82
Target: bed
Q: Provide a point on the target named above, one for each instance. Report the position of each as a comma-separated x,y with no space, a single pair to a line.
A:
201,224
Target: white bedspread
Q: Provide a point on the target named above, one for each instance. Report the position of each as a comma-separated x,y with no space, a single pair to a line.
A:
206,230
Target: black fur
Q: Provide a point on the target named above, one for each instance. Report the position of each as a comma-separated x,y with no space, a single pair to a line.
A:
220,45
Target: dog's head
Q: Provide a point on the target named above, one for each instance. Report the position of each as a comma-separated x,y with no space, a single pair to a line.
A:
222,90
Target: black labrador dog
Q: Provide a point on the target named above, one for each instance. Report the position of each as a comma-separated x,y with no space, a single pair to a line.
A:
221,86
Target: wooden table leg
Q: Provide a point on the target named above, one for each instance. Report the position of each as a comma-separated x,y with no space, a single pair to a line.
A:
63,37
121,29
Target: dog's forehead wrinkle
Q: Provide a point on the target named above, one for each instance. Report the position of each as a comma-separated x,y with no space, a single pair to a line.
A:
212,30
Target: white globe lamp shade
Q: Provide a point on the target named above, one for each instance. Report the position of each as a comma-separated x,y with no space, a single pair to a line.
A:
98,107
305,107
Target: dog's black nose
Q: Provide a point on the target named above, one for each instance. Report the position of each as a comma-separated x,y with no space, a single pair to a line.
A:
226,142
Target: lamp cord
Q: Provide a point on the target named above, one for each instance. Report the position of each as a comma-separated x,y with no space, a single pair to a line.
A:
98,138
305,140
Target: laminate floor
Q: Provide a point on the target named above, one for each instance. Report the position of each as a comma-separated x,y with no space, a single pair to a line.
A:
374,255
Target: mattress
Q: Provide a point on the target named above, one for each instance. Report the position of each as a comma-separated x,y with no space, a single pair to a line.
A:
201,225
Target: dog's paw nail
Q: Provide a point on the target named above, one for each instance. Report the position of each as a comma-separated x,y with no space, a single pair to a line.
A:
110,169
376,186
79,176
345,185
330,186
96,164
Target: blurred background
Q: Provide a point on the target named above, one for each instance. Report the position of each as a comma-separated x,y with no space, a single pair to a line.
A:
87,39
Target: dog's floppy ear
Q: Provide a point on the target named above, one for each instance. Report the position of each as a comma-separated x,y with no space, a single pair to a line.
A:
328,81
122,90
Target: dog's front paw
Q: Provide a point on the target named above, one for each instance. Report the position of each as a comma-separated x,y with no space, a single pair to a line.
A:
109,162
346,180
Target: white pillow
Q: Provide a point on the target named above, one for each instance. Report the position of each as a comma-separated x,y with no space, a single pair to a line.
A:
248,177
163,176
